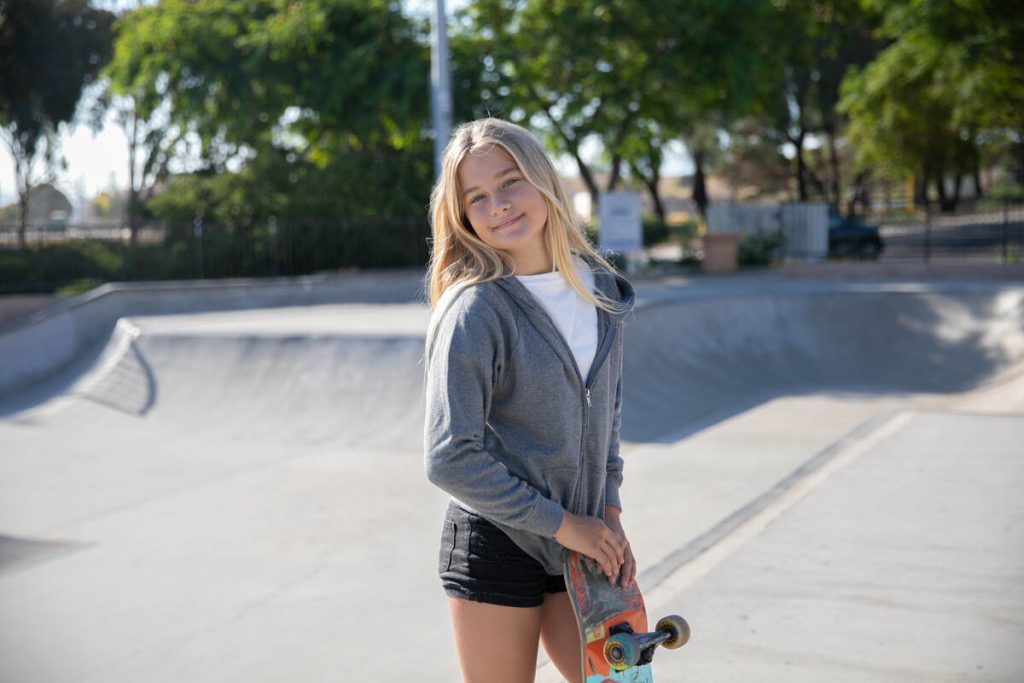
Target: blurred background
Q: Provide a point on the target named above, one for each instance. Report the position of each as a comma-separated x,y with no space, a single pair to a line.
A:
196,139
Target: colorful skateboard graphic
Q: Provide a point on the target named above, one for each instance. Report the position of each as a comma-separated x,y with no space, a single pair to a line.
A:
613,624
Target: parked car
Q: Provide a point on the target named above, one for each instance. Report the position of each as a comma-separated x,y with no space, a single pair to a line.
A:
851,237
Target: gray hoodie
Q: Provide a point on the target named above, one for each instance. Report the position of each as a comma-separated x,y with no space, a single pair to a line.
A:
512,432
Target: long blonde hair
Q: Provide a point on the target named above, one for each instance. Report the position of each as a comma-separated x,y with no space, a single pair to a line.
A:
459,257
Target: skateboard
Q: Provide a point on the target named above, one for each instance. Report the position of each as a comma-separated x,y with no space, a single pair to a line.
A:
613,624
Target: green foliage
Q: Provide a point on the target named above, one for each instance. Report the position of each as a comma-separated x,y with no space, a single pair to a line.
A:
78,287
49,51
42,267
684,231
759,248
952,77
362,185
329,75
815,44
655,231
322,103
632,74
257,250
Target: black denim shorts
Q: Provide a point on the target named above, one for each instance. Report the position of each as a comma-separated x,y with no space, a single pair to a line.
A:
478,561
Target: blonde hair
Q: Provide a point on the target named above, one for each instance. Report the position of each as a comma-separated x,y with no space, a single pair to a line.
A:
459,257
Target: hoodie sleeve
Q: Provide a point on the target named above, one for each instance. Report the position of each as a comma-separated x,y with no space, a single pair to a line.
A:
463,363
614,467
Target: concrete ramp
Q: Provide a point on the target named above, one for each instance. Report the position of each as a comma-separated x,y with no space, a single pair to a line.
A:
321,375
239,495
697,360
334,390
352,373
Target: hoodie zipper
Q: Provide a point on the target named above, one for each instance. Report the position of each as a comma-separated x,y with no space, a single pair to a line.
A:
604,348
599,358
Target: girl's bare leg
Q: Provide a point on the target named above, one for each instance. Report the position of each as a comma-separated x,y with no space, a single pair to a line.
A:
561,636
495,644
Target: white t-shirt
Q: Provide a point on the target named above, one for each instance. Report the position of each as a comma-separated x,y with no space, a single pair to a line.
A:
574,317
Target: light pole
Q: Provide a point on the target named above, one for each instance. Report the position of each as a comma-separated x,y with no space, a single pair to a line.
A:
440,82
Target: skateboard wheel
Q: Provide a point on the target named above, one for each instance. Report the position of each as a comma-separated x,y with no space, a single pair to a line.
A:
622,651
679,629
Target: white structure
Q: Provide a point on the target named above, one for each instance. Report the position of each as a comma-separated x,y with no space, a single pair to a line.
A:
804,225
620,228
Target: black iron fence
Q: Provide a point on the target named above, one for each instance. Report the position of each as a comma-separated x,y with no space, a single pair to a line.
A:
56,257
993,230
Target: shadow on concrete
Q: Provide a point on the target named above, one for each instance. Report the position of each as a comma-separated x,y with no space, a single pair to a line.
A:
693,363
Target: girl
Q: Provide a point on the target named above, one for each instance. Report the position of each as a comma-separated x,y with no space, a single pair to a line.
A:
523,383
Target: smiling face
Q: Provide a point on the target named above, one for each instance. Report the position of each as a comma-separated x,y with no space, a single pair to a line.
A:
505,210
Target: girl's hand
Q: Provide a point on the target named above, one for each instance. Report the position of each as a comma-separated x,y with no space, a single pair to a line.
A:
595,539
627,571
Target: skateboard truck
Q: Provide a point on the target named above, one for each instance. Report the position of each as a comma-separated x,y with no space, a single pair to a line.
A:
612,619
624,648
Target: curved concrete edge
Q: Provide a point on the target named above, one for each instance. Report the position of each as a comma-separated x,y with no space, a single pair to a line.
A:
41,344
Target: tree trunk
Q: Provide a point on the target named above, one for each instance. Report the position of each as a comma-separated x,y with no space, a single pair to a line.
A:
700,190
588,180
22,186
859,194
616,172
833,158
588,177
801,166
1017,151
921,187
651,183
22,216
133,192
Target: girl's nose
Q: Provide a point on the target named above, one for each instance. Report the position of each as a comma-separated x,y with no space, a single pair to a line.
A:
500,205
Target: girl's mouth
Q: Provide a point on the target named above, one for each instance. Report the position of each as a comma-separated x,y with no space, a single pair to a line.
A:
507,223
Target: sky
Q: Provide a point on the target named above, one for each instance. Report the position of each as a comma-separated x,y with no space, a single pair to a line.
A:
97,161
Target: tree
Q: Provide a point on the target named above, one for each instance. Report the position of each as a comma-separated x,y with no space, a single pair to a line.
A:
952,76
325,77
816,42
711,62
141,114
630,74
536,70
49,51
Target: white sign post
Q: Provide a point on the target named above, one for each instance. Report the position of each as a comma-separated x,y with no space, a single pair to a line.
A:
619,227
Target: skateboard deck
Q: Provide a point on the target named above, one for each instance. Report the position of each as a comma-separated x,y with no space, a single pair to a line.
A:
606,610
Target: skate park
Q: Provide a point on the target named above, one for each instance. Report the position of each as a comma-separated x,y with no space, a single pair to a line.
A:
224,482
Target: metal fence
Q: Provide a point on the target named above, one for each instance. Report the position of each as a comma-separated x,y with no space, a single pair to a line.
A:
58,257
994,231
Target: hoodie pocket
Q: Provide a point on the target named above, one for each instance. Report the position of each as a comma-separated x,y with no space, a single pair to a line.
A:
560,485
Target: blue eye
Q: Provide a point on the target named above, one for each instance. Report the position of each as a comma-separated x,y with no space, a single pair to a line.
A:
510,181
473,200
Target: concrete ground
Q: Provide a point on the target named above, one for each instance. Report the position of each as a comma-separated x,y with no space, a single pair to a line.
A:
822,475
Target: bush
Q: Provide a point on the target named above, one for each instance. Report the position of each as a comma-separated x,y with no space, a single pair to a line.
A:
654,231
759,248
47,267
254,250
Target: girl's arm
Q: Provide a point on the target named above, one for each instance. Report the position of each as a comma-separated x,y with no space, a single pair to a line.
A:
464,359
